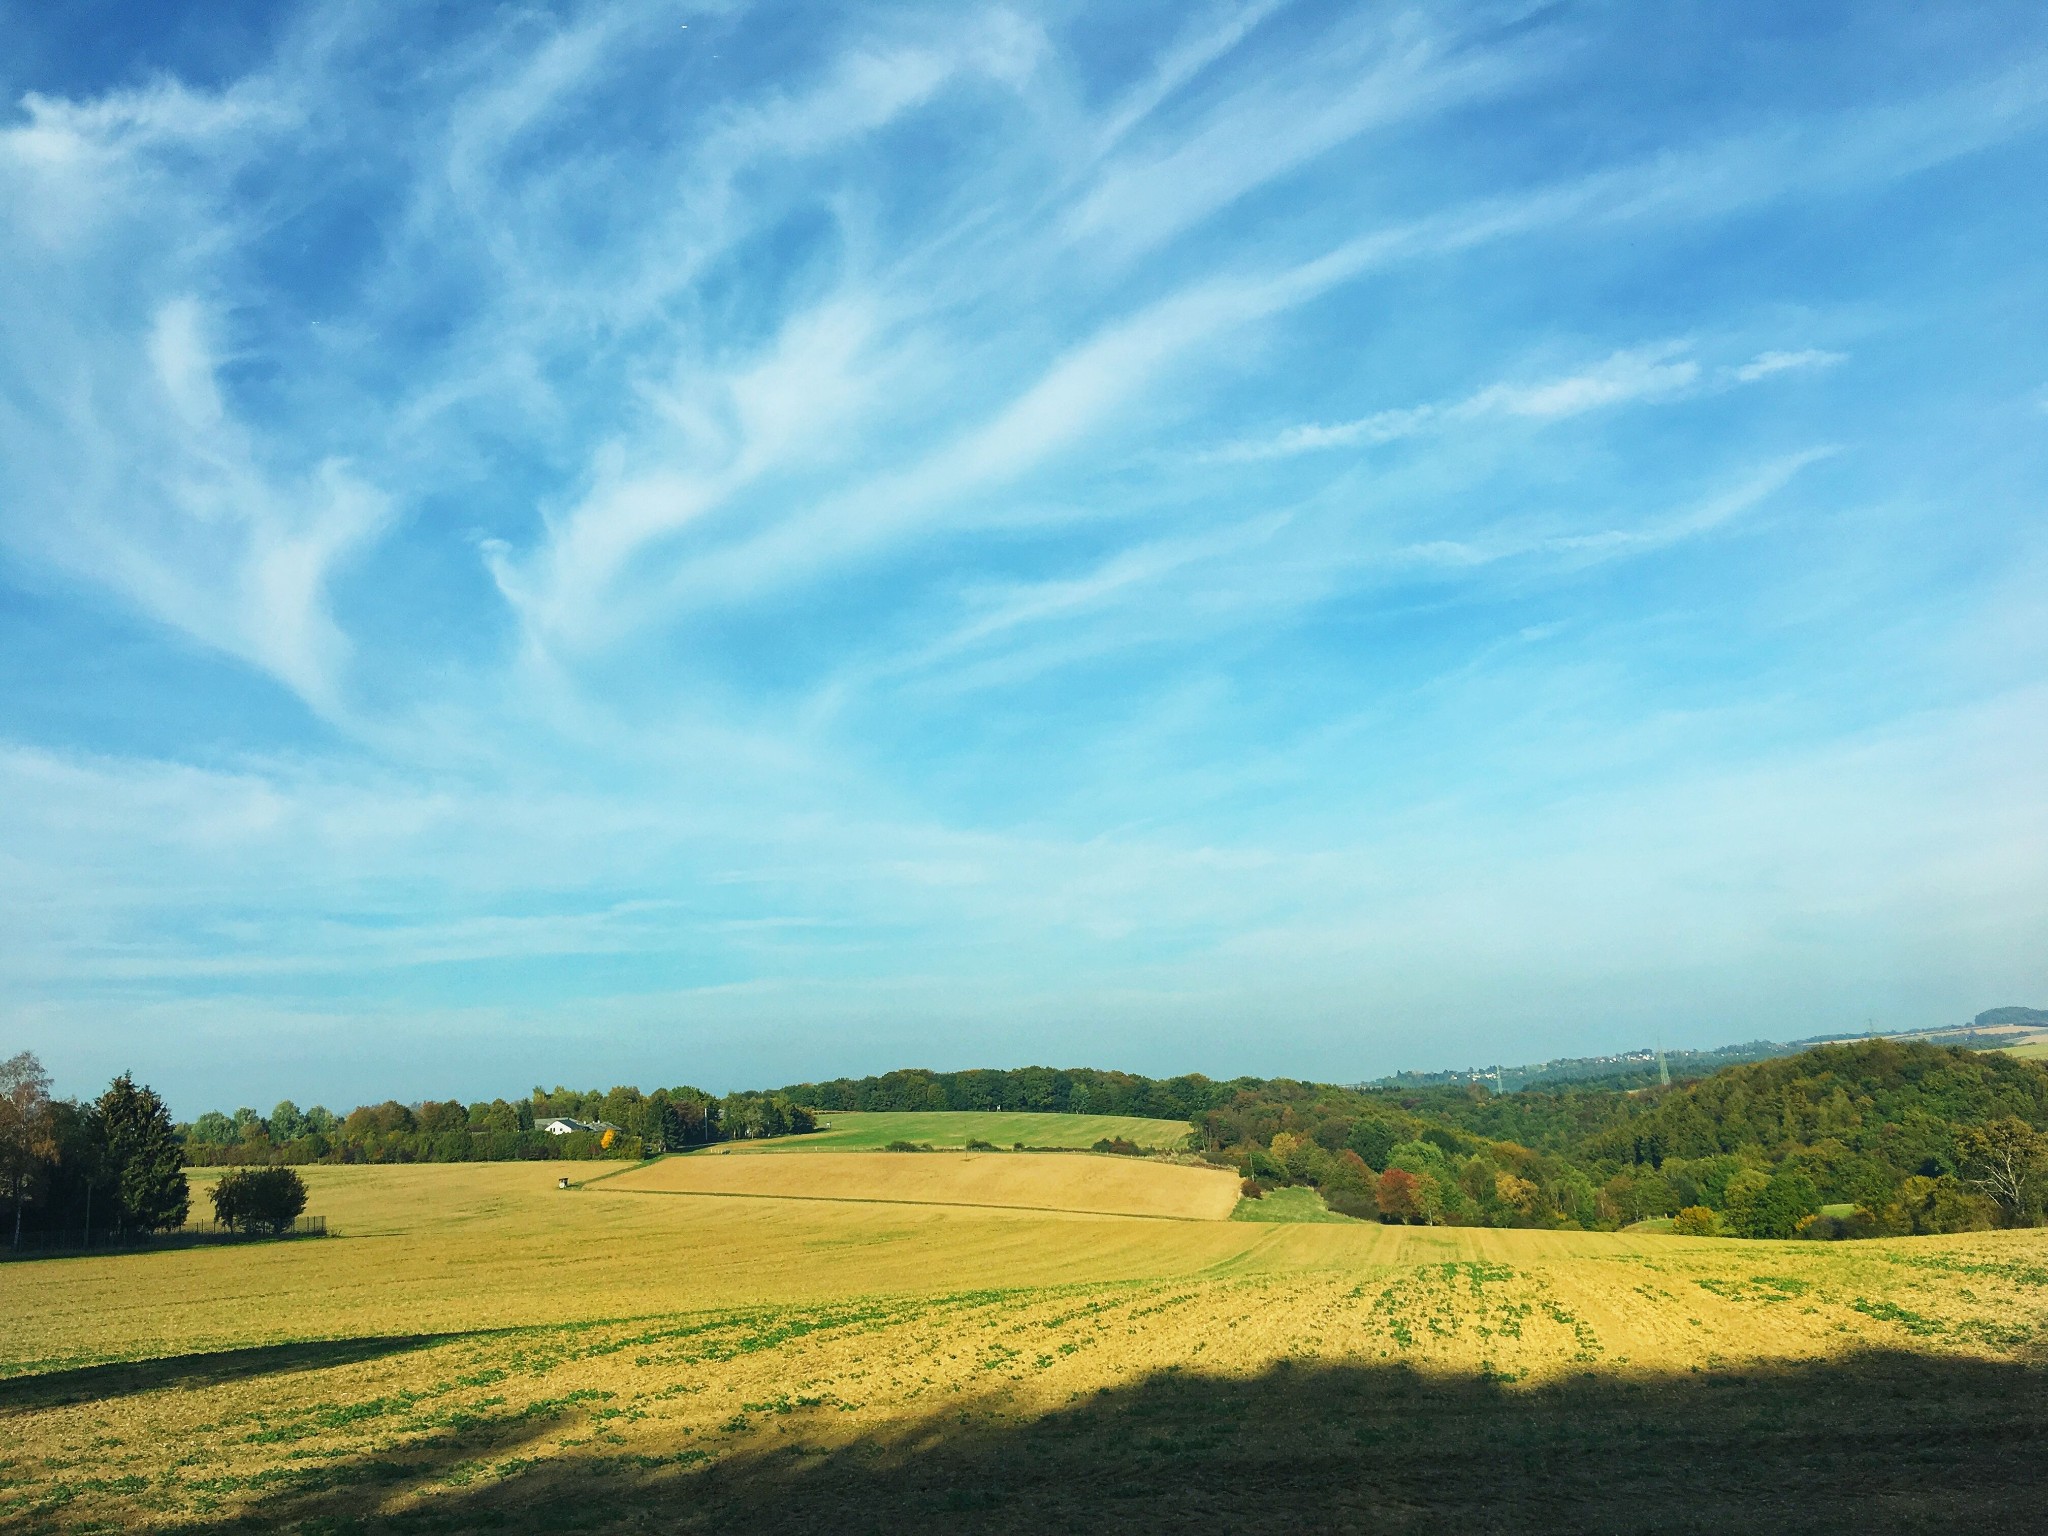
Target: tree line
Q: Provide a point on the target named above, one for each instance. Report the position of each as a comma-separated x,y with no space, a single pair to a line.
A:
1896,1137
113,1164
1876,1137
629,1124
1050,1090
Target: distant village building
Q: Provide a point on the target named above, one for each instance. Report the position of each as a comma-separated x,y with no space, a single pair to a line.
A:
562,1125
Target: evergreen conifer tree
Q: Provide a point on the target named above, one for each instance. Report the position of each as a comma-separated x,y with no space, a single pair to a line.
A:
144,1160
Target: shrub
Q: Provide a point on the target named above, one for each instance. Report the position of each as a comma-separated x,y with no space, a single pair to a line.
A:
1823,1228
906,1146
1696,1221
251,1199
1251,1190
1353,1201
1348,1188
978,1145
1120,1147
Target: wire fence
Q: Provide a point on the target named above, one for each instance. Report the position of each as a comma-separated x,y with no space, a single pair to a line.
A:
192,1234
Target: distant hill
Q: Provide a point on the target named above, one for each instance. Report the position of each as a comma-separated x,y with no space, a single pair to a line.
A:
1993,1029
1624,1069
1993,1018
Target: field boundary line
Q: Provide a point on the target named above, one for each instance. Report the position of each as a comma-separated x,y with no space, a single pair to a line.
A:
954,1205
645,1162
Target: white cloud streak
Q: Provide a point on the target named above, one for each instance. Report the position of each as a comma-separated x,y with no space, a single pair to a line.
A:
1807,359
789,413
1638,375
1641,374
128,465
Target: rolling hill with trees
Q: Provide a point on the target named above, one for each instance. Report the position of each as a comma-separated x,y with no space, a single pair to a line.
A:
1908,1136
1881,1136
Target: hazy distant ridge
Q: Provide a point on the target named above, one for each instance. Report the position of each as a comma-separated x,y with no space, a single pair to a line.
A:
1646,1064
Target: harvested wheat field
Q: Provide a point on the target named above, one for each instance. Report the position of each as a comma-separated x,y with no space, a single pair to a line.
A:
479,1350
1050,1181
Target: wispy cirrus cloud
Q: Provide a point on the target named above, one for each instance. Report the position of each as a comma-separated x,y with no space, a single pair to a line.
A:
1137,353
1637,375
130,466
1765,364
846,505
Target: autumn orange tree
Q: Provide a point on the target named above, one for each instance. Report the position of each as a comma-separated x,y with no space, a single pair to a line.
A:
1402,1196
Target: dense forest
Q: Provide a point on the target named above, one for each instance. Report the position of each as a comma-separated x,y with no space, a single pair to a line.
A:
1878,1137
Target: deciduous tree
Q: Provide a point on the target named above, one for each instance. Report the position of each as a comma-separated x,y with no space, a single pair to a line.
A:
1402,1196
2004,1159
1696,1221
1517,1194
1372,1140
1769,1206
25,1133
267,1198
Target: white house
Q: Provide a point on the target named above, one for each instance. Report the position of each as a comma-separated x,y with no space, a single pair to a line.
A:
561,1126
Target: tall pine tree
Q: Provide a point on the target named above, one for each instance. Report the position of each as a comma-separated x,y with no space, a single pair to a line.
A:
144,1159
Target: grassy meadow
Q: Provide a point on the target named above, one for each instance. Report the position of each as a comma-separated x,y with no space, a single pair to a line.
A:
1290,1203
477,1349
862,1130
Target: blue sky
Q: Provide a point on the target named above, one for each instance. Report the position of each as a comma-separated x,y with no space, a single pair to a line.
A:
740,543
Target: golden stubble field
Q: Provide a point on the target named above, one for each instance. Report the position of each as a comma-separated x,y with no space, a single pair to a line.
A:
478,1348
1050,1181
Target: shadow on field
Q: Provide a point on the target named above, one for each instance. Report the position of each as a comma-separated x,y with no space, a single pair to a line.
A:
155,1242
98,1383
1875,1443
